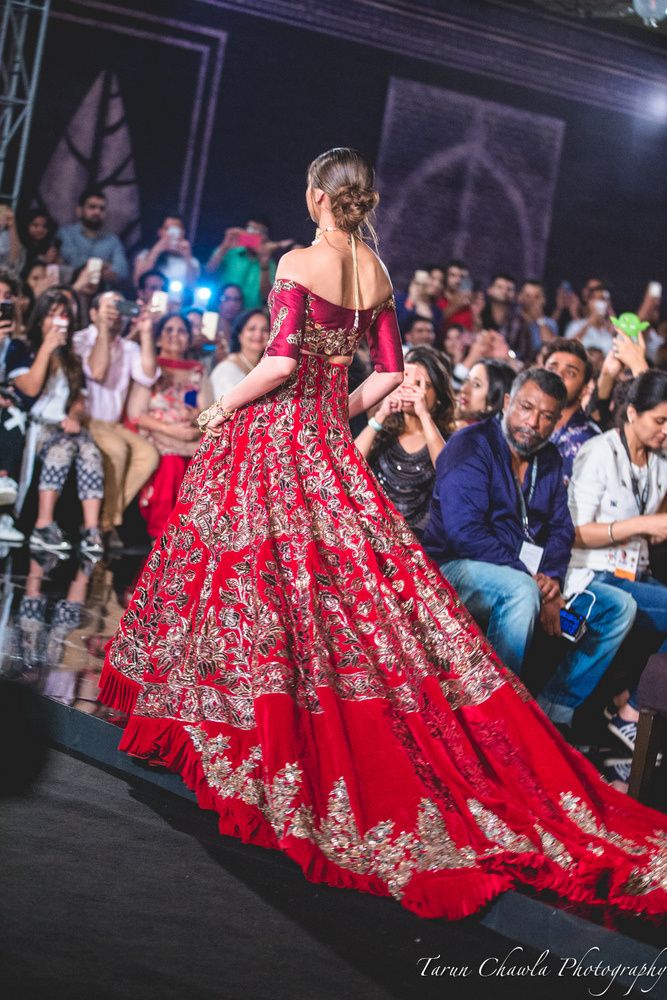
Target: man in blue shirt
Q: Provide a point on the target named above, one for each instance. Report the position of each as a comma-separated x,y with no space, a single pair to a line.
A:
501,532
569,360
84,239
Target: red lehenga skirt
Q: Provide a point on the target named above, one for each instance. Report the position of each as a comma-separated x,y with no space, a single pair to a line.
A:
292,652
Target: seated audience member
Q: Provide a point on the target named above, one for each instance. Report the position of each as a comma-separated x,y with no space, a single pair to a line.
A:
406,434
501,531
566,307
194,317
245,258
250,335
499,312
12,254
230,306
110,364
625,361
483,392
455,301
57,434
617,499
453,344
166,415
39,238
419,332
419,300
38,278
171,254
15,363
150,281
595,330
85,239
568,360
531,328
485,344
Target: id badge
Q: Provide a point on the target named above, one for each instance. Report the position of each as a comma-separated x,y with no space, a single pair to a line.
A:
627,560
531,556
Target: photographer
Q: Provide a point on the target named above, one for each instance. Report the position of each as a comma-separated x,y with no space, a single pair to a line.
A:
595,330
171,255
57,432
111,363
419,300
408,431
244,258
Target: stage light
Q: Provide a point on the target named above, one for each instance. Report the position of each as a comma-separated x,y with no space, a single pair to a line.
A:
176,287
203,294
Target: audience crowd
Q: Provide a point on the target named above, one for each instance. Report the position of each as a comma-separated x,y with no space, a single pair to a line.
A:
527,446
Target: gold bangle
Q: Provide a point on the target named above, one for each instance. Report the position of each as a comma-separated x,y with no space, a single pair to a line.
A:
216,409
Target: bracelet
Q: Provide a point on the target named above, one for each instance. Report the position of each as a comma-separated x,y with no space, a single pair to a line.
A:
375,424
610,532
216,409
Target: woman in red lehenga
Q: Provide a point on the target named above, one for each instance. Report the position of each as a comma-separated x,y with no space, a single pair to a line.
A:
293,653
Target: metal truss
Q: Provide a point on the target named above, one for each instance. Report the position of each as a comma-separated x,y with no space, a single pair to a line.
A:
22,32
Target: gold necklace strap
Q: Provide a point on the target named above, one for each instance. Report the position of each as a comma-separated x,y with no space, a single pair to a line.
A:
355,278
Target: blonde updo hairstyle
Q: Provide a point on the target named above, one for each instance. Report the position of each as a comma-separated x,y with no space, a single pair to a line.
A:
349,180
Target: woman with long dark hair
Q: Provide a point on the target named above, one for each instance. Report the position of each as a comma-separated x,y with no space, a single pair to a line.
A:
618,498
483,393
406,434
292,651
166,414
57,433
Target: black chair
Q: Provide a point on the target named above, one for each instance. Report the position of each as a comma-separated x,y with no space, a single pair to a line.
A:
652,727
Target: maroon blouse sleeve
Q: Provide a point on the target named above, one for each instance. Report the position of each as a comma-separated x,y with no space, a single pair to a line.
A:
384,339
287,305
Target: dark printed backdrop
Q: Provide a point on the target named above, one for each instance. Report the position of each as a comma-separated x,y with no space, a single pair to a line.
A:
524,140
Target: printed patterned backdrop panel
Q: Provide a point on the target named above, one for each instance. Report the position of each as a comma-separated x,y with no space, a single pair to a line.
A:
465,177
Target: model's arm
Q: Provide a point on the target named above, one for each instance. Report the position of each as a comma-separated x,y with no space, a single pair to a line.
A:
384,341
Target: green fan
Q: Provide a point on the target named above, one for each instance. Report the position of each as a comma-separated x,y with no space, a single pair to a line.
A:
629,324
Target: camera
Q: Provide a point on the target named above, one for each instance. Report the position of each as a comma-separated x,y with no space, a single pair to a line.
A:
130,310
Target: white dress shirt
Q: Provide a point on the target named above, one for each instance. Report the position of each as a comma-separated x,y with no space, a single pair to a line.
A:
106,399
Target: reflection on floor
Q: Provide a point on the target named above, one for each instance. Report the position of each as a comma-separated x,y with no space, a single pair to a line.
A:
56,616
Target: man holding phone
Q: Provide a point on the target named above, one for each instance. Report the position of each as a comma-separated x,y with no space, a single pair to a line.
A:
111,363
171,254
245,258
85,238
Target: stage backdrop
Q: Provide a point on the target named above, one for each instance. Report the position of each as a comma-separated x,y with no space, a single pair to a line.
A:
511,137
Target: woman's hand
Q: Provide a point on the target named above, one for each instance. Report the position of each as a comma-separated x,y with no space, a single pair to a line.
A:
655,526
392,403
631,353
53,336
70,425
415,394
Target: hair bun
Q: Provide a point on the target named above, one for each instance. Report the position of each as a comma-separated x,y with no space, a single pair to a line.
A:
352,204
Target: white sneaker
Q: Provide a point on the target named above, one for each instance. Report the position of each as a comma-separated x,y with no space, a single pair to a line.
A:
9,532
8,491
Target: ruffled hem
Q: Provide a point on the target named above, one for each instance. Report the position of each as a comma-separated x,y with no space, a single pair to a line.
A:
598,881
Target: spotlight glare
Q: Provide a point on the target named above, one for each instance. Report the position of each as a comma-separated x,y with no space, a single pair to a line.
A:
176,287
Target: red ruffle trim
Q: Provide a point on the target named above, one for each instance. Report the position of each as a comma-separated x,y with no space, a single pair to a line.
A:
454,895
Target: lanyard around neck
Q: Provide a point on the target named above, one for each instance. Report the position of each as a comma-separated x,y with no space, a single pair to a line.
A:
523,507
641,499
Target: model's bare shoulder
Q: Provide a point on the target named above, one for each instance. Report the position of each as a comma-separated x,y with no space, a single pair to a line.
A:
296,265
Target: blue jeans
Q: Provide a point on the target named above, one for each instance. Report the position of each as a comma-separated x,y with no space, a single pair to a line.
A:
651,598
506,603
